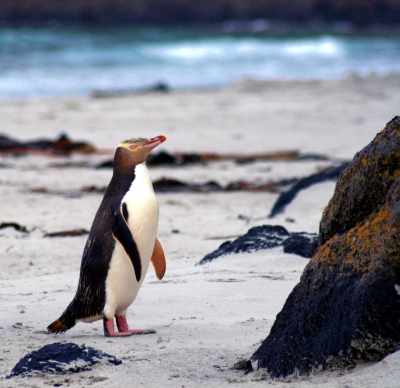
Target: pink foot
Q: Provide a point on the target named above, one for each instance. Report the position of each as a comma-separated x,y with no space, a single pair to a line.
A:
123,327
109,330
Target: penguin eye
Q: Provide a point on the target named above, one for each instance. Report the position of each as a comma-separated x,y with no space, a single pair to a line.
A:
133,147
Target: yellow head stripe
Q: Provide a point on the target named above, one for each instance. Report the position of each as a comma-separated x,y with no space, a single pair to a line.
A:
134,140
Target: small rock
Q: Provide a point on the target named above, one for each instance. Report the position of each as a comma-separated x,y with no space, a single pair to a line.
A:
267,237
302,244
106,164
68,233
243,365
167,185
61,358
14,225
161,158
61,146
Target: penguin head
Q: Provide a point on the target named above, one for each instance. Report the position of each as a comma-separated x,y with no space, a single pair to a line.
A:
134,151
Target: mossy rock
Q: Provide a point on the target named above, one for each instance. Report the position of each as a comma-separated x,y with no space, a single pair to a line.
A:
362,187
346,308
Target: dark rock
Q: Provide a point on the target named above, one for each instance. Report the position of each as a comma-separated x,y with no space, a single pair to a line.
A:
301,244
68,146
270,186
94,189
209,186
259,237
161,158
61,358
362,188
243,365
70,165
156,88
265,237
14,225
184,159
6,143
68,233
313,156
106,164
346,308
285,198
61,146
174,185
160,87
168,185
180,159
279,155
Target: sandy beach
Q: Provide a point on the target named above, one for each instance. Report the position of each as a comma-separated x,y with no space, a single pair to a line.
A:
206,317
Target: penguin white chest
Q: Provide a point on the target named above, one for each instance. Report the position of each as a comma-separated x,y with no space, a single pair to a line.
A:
142,219
142,209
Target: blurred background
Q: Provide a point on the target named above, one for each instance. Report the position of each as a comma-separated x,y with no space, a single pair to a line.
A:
64,48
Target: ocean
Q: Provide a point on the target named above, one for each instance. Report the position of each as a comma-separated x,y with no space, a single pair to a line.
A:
60,61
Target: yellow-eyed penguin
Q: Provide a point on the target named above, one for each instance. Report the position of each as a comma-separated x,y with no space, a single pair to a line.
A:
121,243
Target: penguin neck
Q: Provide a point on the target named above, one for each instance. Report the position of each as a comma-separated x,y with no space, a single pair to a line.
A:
125,163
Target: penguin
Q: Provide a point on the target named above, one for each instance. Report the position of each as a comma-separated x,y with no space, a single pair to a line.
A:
121,244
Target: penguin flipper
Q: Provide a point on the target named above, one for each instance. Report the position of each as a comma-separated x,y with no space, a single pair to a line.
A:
158,260
124,236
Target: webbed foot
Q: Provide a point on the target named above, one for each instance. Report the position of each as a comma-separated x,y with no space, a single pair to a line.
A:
123,327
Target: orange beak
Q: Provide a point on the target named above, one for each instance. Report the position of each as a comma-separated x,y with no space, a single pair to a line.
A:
155,141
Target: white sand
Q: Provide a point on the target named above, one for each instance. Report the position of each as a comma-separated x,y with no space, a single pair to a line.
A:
206,317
